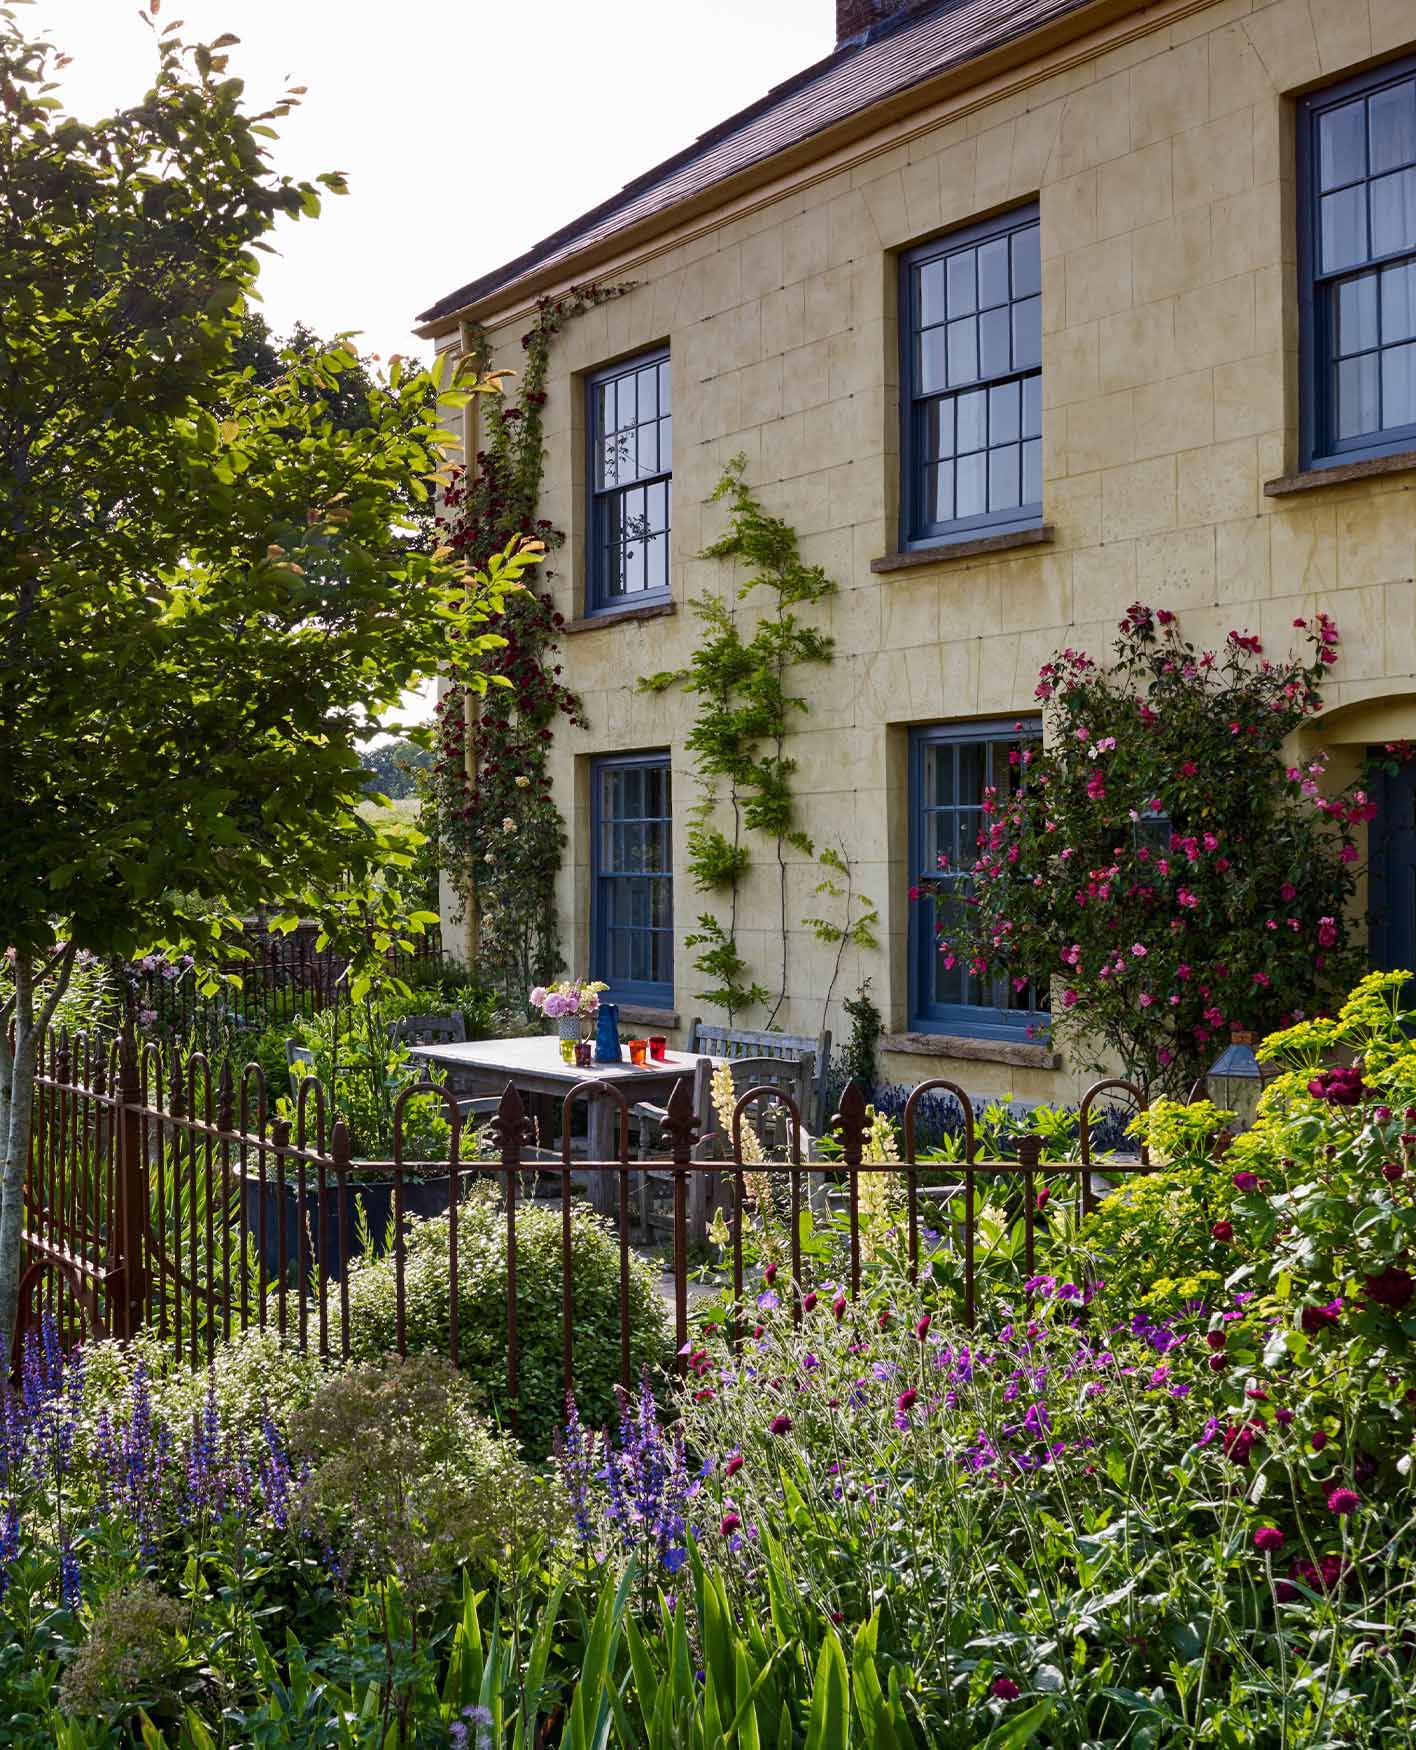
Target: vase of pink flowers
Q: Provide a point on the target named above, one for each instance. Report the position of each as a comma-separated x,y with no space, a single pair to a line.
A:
572,1004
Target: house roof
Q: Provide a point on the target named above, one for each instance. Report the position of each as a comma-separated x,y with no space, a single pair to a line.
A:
846,82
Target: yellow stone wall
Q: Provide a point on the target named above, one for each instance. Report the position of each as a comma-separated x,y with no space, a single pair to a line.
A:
1163,159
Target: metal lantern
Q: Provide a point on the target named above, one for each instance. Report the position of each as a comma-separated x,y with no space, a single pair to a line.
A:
1235,1080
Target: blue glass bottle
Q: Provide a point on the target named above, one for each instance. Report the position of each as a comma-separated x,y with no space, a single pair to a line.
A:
607,1035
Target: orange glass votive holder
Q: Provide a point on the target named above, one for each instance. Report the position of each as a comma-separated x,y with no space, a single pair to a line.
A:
638,1050
658,1047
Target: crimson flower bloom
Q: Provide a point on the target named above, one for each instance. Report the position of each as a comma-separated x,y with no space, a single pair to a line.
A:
1245,1181
1342,1502
906,1400
1391,1287
808,1300
734,1465
1268,1538
1222,1230
1321,1318
729,1524
780,1425
1319,1440
838,1306
1005,1689
922,1327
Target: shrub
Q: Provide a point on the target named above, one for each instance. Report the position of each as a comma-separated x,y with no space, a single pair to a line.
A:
133,1655
255,1373
1157,859
405,1478
482,1309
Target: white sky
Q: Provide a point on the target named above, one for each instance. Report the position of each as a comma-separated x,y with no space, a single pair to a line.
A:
469,128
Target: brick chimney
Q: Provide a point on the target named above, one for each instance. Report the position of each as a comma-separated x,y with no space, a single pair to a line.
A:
858,20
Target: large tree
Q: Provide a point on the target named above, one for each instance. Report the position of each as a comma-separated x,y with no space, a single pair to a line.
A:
207,589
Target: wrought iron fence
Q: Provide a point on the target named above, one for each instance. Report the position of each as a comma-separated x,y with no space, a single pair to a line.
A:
166,1194
283,977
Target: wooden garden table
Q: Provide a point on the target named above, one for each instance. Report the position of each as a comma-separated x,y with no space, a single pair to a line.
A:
534,1066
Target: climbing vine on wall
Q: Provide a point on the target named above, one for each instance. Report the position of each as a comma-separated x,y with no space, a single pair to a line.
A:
501,831
739,736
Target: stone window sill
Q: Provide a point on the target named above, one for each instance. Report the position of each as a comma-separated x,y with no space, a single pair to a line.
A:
1040,535
1371,468
964,1046
618,616
662,1019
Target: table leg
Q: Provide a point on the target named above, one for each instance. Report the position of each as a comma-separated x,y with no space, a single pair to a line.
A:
604,1197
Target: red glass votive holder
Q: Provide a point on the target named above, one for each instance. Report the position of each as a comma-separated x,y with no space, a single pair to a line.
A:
658,1047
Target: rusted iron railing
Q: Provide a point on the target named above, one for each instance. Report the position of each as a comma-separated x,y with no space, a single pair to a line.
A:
281,978
164,1195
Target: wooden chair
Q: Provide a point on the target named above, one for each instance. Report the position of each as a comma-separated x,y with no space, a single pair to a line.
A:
736,1042
429,1030
771,1121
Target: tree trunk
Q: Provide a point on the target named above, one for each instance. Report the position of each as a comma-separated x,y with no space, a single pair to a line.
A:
18,1063
19,1070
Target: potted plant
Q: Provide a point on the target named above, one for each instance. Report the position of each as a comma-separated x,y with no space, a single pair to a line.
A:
572,1004
363,1073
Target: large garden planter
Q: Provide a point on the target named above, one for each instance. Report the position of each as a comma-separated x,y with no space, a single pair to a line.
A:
276,1213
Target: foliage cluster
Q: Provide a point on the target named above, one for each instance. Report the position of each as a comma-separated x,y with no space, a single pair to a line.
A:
739,742
1156,861
500,831
483,1294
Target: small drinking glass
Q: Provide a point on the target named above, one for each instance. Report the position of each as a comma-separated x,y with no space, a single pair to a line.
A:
567,1050
658,1047
638,1048
583,1050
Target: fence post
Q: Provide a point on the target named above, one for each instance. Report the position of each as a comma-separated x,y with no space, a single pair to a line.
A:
1029,1156
680,1125
850,1125
127,1276
508,1130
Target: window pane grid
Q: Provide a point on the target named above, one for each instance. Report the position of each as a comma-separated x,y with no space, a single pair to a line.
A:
976,396
633,891
953,774
631,463
1363,220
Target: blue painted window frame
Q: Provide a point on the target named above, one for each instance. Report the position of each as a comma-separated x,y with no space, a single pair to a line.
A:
1318,446
1391,861
917,529
927,1015
601,501
656,993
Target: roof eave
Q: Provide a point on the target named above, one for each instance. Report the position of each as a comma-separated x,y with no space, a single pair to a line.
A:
582,263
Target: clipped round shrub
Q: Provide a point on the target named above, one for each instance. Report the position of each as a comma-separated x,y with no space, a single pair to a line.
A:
482,1310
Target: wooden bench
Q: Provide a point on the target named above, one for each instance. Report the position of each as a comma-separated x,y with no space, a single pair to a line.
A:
713,1040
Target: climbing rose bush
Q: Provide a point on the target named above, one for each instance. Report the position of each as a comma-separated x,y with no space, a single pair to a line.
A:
1158,861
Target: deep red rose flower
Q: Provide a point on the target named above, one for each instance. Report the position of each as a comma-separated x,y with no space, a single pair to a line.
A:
1391,1287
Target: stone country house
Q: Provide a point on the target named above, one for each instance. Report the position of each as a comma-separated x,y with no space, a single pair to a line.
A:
1020,311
